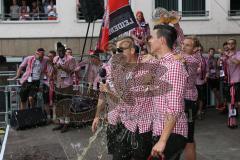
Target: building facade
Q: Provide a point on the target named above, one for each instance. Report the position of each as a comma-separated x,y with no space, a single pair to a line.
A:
212,20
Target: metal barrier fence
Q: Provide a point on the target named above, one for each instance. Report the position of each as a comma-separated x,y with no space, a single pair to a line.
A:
9,96
28,17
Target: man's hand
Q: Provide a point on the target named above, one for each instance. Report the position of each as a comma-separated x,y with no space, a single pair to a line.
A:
12,79
235,61
220,51
206,79
59,66
104,87
177,16
158,149
179,58
95,124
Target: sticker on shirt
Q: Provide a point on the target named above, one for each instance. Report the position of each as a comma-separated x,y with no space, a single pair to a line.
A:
222,74
44,77
63,74
212,71
232,112
29,79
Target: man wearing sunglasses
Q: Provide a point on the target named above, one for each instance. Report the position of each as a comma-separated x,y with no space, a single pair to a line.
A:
132,116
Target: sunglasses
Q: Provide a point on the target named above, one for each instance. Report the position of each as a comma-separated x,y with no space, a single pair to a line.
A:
120,49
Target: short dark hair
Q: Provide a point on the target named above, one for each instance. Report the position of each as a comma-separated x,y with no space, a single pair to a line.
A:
40,50
53,52
201,47
168,32
211,49
60,45
232,39
224,44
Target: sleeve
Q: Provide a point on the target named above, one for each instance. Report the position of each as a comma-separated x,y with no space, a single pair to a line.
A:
55,59
199,69
25,62
72,64
177,77
147,30
109,77
133,32
92,75
180,38
50,71
192,61
49,8
238,56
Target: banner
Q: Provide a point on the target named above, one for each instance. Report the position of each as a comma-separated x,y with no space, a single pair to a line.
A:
121,18
118,19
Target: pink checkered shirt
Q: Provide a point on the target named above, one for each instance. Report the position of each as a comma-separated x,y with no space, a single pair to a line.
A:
136,107
180,38
171,78
192,64
68,62
28,63
201,72
234,69
90,72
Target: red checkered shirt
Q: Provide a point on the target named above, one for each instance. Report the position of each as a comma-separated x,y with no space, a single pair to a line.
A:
171,78
192,64
136,105
180,38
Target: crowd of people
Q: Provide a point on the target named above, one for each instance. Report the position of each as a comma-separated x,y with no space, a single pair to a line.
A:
154,88
32,10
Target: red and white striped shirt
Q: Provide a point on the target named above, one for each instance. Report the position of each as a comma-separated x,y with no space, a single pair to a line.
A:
171,78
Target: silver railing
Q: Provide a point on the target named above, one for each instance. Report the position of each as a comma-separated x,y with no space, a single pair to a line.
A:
11,95
27,17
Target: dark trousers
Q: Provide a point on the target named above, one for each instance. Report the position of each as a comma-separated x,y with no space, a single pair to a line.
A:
131,146
174,147
191,112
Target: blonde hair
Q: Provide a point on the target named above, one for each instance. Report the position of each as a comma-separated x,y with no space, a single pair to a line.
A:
196,42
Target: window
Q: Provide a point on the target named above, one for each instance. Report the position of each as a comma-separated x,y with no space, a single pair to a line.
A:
188,8
29,10
193,8
234,8
169,4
